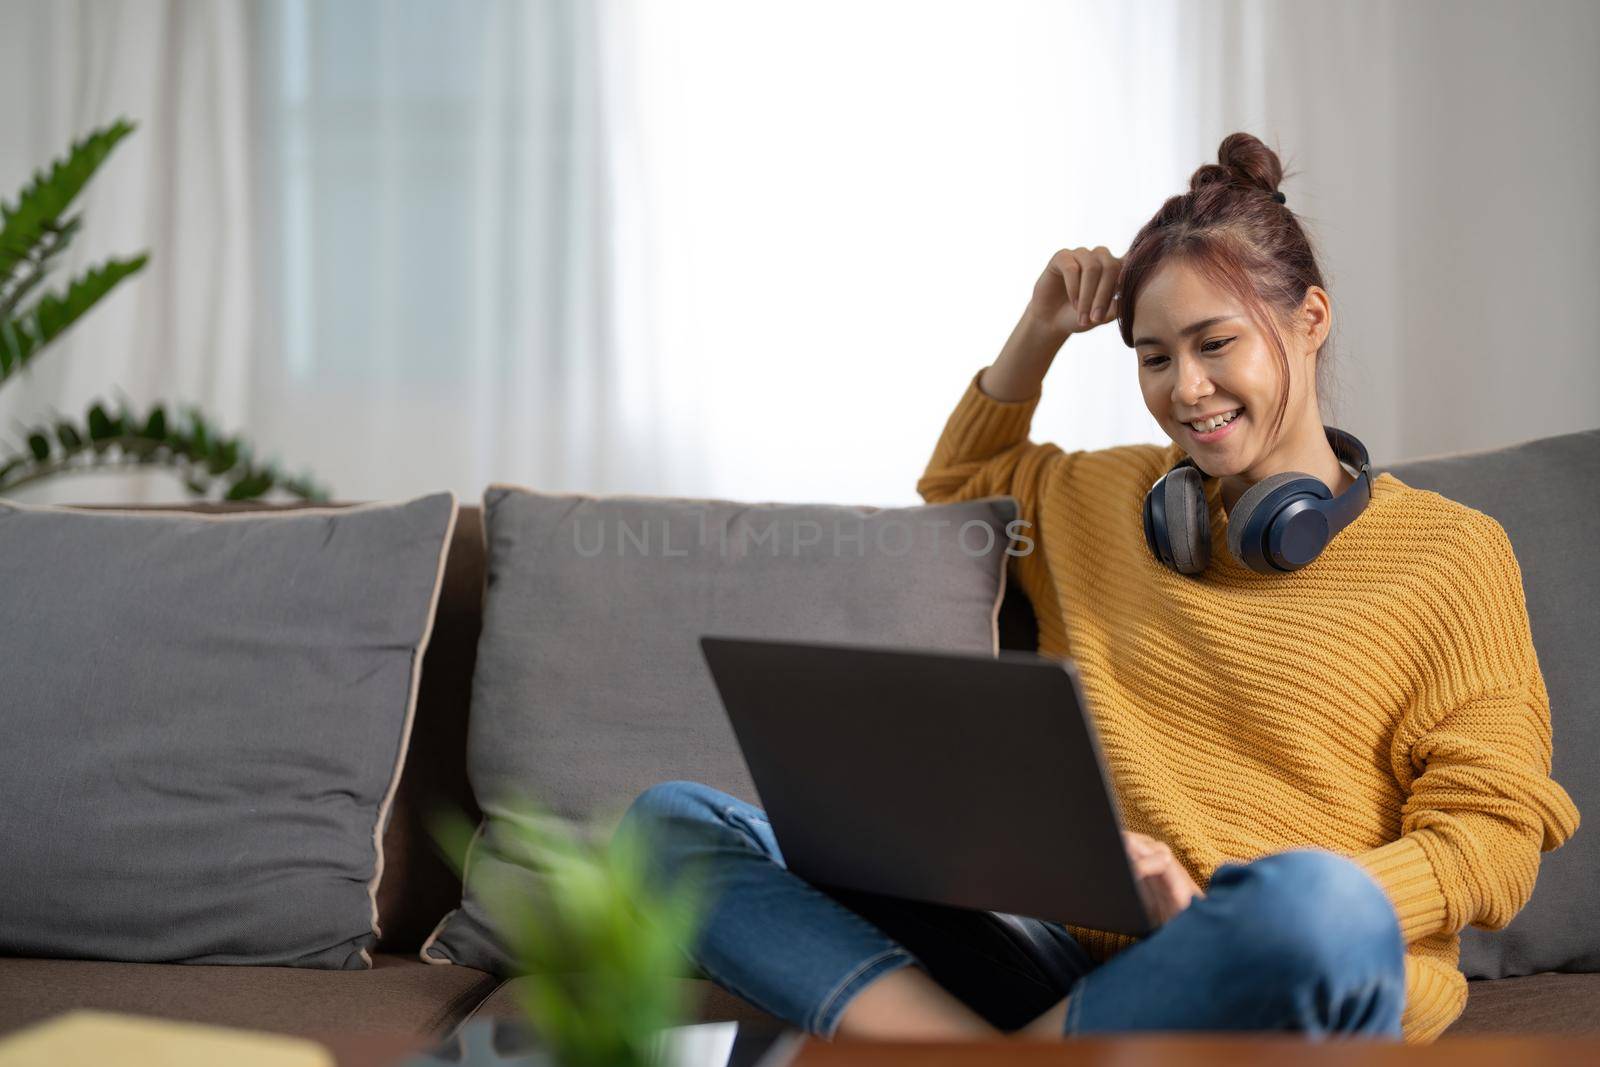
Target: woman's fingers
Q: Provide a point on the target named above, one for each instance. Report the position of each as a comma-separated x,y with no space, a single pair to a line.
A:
1158,898
1150,897
1088,285
1163,885
1143,844
1079,288
1152,865
1108,276
1067,265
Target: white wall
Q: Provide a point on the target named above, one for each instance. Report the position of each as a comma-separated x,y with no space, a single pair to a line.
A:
1451,165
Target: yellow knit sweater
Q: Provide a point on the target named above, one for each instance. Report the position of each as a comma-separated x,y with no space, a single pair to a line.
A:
1384,702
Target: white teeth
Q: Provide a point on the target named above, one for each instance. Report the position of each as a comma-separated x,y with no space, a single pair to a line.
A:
1213,423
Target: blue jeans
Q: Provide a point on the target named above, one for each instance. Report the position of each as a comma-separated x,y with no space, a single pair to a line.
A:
1302,940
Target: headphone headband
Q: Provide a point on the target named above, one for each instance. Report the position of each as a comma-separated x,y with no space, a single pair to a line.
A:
1353,452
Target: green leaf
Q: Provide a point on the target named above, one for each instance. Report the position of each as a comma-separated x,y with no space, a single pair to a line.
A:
52,313
36,214
224,455
249,487
128,440
11,347
101,425
197,432
37,267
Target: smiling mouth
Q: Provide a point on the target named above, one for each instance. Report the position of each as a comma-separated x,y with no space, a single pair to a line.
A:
1219,432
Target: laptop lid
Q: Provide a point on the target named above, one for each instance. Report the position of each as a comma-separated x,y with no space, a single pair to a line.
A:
955,778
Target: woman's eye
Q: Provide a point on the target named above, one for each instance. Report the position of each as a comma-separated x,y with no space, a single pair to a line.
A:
1209,346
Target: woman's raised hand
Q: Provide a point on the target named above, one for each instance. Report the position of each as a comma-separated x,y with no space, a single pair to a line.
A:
1164,885
1079,290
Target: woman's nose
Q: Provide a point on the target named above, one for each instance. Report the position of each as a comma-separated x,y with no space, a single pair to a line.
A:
1190,393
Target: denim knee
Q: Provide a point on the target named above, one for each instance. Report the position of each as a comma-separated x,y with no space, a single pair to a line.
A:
668,801
679,816
663,819
1316,915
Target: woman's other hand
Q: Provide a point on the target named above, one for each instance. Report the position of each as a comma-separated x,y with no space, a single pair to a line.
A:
1078,290
1164,885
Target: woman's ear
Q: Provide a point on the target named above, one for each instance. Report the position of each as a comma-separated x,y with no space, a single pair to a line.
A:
1315,317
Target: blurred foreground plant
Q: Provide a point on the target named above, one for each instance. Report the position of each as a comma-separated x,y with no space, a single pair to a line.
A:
34,231
597,949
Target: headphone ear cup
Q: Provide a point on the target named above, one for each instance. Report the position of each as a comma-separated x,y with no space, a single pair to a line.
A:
1155,525
1249,546
1188,520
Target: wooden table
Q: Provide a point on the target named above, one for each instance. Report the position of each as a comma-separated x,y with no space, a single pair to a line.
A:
1285,1051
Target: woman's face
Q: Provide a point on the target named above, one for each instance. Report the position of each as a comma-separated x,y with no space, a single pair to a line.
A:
1199,355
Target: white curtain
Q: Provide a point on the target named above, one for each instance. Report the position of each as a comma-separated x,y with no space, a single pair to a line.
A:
716,249
755,250
853,202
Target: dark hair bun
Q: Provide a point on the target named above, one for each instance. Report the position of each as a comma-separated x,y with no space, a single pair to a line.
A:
1242,160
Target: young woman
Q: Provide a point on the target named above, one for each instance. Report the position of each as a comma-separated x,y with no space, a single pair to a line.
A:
1327,768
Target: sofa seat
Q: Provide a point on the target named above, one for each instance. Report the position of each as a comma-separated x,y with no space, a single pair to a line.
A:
1548,1003
400,995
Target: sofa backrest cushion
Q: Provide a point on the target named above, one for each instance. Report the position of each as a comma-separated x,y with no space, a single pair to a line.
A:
590,686
1543,492
205,722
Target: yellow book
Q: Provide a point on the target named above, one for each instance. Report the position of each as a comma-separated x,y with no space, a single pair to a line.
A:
98,1038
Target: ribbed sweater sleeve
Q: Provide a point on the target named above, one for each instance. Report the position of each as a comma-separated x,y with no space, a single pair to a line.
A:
984,450
1473,752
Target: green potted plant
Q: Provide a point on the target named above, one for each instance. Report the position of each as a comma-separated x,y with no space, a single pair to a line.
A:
597,952
35,230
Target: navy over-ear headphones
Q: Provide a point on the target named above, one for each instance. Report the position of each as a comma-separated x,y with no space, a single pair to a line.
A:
1280,524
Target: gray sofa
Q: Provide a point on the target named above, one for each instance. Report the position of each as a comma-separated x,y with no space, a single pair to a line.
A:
1537,975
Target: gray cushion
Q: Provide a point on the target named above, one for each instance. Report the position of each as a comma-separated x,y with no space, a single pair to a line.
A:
590,685
204,721
1543,493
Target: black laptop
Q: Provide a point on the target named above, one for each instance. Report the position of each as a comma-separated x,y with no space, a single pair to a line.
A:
962,779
